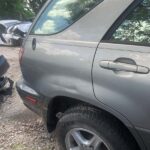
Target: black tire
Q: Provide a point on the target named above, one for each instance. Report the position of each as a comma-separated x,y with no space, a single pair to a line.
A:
99,123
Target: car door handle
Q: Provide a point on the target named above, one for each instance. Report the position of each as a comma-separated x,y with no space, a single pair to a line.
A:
118,66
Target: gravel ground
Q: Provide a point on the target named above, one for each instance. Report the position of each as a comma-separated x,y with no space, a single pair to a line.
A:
20,129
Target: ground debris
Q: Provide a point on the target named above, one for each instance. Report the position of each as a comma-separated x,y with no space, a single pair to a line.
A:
25,136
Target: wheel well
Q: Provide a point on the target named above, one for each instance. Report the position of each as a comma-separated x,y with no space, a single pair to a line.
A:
60,104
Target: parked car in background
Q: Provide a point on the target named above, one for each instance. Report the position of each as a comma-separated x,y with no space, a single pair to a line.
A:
86,70
5,24
15,34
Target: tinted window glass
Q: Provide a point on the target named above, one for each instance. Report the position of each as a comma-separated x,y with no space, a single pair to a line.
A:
136,27
62,13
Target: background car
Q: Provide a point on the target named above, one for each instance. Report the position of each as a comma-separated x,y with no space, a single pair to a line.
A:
4,25
16,33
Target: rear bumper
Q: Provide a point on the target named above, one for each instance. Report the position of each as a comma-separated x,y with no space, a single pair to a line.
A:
30,97
35,102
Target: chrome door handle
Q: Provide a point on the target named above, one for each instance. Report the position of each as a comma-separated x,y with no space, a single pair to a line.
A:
118,66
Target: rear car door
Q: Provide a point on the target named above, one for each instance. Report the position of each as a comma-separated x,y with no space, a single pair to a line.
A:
121,77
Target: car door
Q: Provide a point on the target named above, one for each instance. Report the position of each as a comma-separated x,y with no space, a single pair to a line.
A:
121,77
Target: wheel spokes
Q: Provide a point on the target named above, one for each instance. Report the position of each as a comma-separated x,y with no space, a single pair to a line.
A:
78,137
95,141
81,139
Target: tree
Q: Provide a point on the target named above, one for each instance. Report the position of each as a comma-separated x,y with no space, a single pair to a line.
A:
36,5
14,9
136,27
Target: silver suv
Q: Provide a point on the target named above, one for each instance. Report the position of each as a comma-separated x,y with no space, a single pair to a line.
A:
86,70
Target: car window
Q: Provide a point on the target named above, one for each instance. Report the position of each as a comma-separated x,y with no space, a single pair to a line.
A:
136,27
62,13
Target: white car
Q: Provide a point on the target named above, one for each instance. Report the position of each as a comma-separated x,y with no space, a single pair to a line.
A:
16,33
4,26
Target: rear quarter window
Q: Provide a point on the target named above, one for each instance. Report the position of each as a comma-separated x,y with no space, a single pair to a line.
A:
60,14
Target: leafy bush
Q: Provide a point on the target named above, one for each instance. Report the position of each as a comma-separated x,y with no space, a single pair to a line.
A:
20,9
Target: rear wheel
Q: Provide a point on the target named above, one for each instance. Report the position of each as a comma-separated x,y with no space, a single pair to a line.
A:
84,128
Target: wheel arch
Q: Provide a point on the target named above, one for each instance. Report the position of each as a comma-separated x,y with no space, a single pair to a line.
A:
62,103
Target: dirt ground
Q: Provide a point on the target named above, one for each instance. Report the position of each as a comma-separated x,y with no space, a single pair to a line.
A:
20,129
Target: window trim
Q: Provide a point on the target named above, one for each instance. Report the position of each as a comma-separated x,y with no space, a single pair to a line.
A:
41,13
126,43
107,37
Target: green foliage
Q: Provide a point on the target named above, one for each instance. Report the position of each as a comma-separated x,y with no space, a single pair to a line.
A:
136,27
36,5
14,9
20,9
